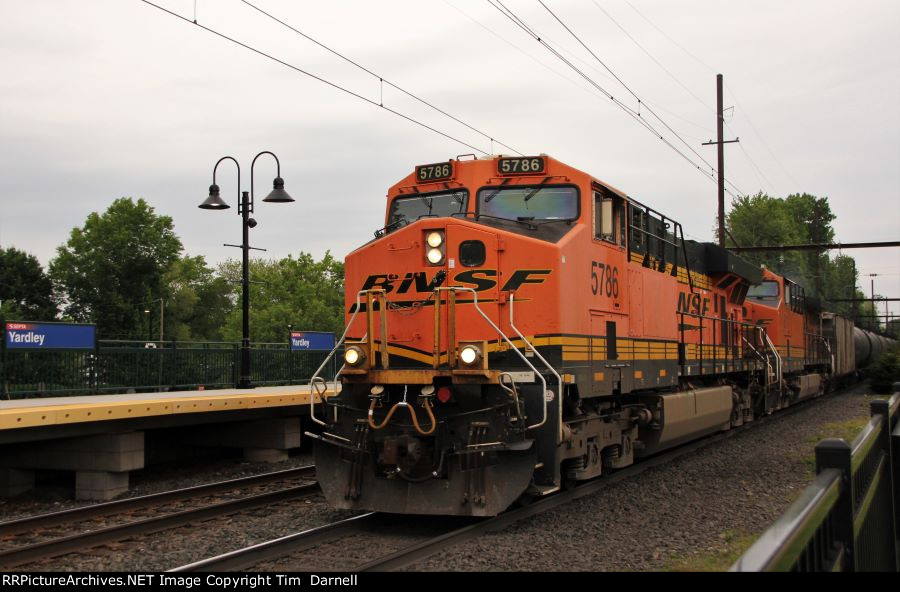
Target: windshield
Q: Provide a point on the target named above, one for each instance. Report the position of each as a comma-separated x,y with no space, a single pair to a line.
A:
768,290
405,210
529,203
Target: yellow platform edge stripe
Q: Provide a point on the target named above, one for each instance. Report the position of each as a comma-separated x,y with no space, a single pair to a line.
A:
28,417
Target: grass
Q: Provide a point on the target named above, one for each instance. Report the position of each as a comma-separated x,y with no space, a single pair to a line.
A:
846,430
732,545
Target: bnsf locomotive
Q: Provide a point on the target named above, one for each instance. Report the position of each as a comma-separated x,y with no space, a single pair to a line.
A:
518,325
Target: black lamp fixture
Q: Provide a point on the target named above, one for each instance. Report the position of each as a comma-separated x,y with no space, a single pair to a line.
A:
245,208
278,194
214,202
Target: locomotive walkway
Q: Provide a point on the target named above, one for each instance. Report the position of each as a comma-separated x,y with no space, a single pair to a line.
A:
101,437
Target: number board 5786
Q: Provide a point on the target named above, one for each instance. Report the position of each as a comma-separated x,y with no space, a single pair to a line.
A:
438,171
524,165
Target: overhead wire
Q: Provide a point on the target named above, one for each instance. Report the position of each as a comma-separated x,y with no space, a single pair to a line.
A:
324,81
556,72
655,61
628,88
520,50
634,94
675,43
378,76
760,176
761,139
633,113
733,95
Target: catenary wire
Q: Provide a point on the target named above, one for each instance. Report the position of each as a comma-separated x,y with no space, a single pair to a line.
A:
649,55
378,76
634,114
628,88
731,92
318,78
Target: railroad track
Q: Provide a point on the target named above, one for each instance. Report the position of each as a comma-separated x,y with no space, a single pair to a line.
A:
93,538
277,548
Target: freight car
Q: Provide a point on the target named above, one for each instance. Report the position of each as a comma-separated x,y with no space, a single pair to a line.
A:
518,325
869,346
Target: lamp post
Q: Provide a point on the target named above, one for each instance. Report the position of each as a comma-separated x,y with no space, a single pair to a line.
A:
149,333
245,208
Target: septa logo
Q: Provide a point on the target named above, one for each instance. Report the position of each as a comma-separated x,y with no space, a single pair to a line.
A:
19,326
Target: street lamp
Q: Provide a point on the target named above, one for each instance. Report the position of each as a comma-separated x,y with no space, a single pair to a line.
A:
149,333
245,208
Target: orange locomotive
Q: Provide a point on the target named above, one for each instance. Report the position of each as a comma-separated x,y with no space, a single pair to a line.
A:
518,324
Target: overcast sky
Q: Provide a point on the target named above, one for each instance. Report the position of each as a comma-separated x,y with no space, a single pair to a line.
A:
107,98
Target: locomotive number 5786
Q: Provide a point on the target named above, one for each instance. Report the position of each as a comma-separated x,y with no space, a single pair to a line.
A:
606,281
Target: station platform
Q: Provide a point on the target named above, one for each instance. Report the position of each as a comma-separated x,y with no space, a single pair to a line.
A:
55,411
102,437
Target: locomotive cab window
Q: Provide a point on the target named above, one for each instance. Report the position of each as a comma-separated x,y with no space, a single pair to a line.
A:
407,209
765,293
797,296
609,223
604,222
529,204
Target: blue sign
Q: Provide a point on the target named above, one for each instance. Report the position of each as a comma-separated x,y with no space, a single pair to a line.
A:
312,341
49,336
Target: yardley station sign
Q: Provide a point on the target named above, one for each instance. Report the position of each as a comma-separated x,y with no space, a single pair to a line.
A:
312,341
49,336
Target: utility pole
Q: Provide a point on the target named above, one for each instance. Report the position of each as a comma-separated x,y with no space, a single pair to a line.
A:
720,125
874,311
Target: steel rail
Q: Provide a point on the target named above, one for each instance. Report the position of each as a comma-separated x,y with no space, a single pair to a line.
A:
276,548
73,515
80,542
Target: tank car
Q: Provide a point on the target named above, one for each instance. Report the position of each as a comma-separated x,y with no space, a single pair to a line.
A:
518,324
869,346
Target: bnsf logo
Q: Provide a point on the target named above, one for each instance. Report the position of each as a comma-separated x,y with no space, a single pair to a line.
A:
480,279
693,303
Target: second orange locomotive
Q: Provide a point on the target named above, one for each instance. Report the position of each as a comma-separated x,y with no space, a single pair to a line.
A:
518,324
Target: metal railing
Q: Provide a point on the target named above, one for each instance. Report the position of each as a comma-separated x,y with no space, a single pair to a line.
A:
848,519
121,366
736,341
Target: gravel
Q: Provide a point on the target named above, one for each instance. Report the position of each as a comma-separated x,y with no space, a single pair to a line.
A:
172,548
56,494
175,547
668,513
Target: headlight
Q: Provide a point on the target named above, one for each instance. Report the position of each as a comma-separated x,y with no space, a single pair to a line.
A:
434,239
354,356
434,256
469,355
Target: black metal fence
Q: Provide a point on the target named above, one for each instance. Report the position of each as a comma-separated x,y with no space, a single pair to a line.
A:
848,519
121,366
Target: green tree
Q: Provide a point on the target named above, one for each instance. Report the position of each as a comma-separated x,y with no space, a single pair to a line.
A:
26,292
800,218
764,220
812,218
302,292
112,268
839,282
197,301
893,328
